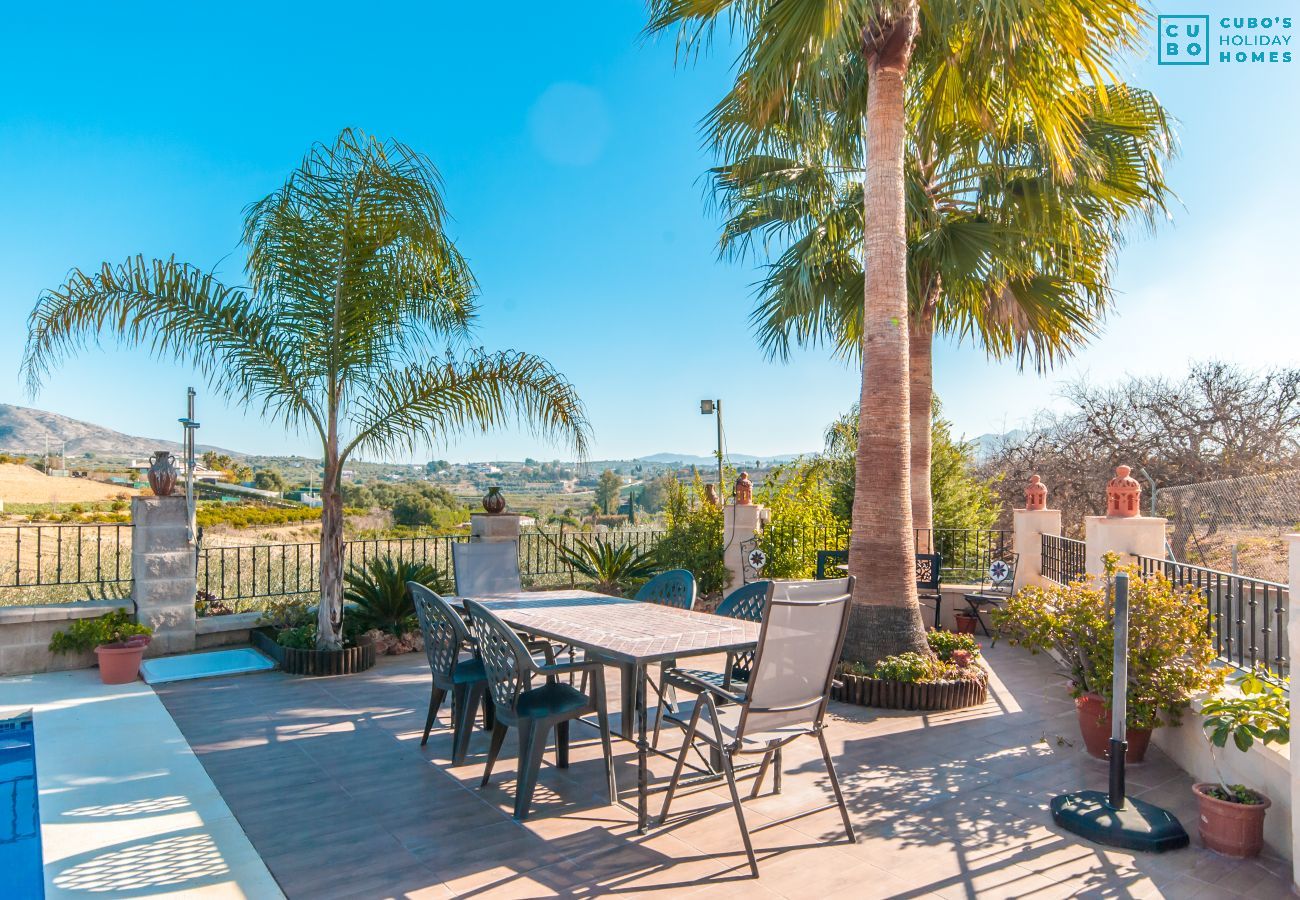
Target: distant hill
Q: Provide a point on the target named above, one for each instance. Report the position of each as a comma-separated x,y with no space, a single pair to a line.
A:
735,459
987,444
25,430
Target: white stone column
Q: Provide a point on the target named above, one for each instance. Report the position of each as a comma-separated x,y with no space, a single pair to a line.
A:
499,527
163,566
1293,652
1129,537
739,525
1028,528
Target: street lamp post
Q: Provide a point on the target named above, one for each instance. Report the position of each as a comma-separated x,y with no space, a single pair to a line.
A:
710,407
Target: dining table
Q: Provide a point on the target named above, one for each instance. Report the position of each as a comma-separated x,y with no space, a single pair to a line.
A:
629,634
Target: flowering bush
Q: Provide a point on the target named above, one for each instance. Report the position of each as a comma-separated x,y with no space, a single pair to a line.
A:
1170,652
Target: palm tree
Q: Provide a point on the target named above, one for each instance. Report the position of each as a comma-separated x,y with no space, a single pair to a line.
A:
1002,249
804,60
349,328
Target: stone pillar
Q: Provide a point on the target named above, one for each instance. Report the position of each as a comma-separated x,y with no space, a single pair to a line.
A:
498,527
1122,530
739,525
1029,526
1293,635
163,566
1134,536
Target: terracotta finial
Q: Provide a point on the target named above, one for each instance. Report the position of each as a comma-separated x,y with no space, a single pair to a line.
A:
711,494
744,490
1035,494
1123,495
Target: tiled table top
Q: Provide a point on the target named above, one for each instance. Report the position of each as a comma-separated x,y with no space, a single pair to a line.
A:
620,628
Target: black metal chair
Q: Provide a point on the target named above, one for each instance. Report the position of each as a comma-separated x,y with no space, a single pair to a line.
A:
928,568
996,585
534,711
449,649
787,694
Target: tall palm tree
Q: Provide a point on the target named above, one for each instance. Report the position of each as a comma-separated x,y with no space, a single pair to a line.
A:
1003,248
803,59
357,301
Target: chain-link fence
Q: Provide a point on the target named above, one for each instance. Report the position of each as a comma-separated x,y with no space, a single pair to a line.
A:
1235,525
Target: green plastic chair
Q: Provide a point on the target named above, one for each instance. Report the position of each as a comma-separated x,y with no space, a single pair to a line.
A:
675,587
449,648
534,711
746,603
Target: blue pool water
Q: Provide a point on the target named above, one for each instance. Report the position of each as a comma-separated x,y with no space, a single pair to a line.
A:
20,824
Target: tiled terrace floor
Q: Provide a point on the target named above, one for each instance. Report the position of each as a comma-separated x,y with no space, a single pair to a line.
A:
329,781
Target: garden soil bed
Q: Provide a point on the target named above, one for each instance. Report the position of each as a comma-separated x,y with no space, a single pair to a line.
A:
864,691
347,661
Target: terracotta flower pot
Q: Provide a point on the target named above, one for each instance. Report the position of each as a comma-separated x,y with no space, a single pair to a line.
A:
120,663
1095,724
967,623
1233,829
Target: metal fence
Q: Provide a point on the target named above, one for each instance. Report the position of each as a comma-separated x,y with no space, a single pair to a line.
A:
1064,559
60,563
1247,616
966,552
236,578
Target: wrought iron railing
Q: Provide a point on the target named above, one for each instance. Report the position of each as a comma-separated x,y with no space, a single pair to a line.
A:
1246,616
966,552
1064,559
234,578
57,563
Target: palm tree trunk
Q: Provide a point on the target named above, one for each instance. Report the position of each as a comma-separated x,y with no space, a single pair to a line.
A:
886,618
920,367
329,617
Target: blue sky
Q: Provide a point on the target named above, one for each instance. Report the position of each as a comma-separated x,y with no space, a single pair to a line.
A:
573,170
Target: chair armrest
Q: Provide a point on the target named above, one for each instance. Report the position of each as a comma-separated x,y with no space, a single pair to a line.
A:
705,687
566,668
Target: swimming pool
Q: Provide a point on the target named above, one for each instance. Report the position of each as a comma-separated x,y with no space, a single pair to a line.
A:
20,821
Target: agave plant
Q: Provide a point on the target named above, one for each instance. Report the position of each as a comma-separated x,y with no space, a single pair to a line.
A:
610,566
377,590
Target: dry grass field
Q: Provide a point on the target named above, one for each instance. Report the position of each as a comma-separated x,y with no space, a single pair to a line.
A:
23,484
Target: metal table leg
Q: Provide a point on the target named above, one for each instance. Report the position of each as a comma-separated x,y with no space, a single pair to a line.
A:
642,752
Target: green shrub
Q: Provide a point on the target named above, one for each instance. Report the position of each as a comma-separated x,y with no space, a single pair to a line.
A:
693,540
945,643
1171,655
379,594
908,668
87,634
799,499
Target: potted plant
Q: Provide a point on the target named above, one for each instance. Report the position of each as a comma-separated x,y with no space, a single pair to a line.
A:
117,641
1232,815
1171,655
967,621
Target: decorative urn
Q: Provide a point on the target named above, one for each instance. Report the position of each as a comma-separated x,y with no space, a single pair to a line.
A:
1035,494
494,501
1123,495
744,490
162,473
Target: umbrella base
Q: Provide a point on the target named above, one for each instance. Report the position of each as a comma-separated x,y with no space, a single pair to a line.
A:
1138,826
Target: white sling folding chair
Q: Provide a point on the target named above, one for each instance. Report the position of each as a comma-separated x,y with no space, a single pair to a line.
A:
789,687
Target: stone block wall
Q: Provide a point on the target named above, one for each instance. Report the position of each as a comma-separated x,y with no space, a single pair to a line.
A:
25,633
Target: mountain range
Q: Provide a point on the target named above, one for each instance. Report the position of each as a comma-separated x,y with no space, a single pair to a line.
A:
26,430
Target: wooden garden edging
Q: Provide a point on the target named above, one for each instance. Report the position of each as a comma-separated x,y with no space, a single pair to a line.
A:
347,661
939,695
